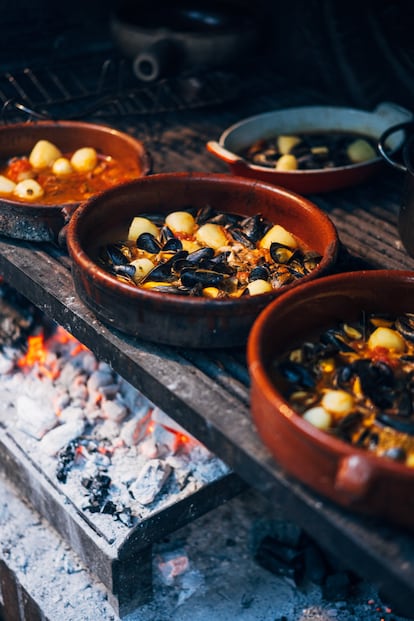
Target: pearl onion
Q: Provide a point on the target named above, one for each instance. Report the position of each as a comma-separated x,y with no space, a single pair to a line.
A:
43,154
84,159
6,185
29,189
62,167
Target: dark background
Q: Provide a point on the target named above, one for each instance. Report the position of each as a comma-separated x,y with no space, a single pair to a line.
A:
357,53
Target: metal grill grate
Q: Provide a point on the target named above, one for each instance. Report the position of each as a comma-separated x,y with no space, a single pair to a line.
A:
106,87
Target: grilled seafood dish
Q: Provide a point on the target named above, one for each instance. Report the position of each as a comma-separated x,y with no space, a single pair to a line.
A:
311,151
356,382
207,253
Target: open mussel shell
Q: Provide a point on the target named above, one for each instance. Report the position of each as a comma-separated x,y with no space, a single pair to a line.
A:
347,474
186,320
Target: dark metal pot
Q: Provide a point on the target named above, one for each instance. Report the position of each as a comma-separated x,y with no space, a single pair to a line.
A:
186,321
40,222
168,37
406,213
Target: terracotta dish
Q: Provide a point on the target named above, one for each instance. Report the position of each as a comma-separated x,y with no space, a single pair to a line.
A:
308,119
35,221
186,321
353,477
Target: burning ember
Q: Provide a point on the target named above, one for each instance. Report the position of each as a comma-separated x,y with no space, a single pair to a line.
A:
108,448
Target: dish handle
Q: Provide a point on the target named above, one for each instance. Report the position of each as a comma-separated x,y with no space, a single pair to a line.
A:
223,154
386,134
354,477
393,112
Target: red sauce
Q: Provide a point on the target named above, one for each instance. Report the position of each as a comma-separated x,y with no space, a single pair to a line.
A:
71,188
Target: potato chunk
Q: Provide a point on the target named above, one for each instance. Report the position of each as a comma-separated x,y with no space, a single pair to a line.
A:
278,234
256,287
287,162
285,143
387,338
211,235
142,267
180,222
360,151
43,154
318,417
141,225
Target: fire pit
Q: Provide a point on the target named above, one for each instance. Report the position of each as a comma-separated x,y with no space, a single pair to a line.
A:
111,471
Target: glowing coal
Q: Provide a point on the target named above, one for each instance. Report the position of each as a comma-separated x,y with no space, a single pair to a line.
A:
107,447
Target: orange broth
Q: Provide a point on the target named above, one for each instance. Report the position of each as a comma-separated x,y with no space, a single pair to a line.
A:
71,188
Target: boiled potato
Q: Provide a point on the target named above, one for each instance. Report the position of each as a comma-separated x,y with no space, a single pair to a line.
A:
142,267
387,338
337,402
286,143
6,185
29,189
278,234
84,159
318,417
287,162
211,292
259,286
180,222
211,235
360,151
141,225
43,154
62,167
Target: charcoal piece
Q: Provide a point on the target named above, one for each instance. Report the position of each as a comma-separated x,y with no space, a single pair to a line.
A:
285,532
276,566
280,559
336,586
98,490
284,553
65,460
315,564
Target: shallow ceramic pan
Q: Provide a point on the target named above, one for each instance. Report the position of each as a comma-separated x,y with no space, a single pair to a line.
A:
309,119
186,321
40,222
347,475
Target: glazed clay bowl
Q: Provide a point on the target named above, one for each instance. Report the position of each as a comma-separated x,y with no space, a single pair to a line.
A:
186,321
309,119
36,221
350,476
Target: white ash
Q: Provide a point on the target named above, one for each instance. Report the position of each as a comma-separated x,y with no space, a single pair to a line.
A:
150,481
152,462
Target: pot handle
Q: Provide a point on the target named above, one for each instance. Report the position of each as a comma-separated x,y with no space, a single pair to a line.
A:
156,60
354,476
383,138
223,154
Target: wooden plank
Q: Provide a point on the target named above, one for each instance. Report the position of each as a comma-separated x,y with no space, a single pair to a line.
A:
216,417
